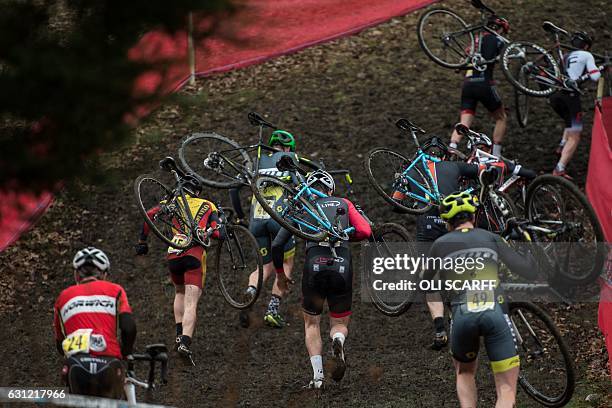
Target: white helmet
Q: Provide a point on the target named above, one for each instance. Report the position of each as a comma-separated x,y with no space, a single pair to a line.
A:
91,256
323,177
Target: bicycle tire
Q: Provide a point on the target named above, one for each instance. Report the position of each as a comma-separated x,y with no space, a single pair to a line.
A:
239,237
380,189
377,235
261,182
166,238
423,21
521,103
229,180
589,216
540,91
568,390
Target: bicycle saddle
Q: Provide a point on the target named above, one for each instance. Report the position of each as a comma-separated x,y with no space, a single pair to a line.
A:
481,6
435,142
257,120
169,164
154,350
286,163
551,28
405,124
462,129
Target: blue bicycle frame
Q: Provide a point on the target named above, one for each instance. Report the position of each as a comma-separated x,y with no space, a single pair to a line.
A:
429,196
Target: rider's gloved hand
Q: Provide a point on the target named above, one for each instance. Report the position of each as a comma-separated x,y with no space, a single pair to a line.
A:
571,84
142,248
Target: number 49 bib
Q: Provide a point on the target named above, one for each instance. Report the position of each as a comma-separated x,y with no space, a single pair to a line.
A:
480,300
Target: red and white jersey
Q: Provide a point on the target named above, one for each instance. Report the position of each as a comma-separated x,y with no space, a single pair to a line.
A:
579,61
94,306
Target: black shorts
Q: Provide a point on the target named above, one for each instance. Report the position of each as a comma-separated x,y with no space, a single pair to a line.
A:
429,227
98,376
483,92
264,231
568,107
494,325
322,281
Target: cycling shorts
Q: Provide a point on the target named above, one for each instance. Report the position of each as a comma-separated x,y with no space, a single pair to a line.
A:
430,227
494,325
264,231
484,92
98,376
569,108
188,268
322,281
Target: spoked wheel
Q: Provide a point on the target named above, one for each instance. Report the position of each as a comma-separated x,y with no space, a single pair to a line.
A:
295,215
521,100
491,215
443,37
407,191
547,369
237,257
218,161
571,233
387,241
530,68
166,218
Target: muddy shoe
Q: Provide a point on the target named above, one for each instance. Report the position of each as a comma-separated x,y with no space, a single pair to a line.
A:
315,384
338,359
177,343
186,353
274,320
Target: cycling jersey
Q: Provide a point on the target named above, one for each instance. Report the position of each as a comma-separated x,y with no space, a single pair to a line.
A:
479,86
580,62
326,277
87,317
479,310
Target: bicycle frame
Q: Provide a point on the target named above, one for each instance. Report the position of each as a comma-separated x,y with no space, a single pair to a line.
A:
475,57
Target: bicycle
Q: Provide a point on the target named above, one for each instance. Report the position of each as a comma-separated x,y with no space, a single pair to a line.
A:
237,253
227,164
456,37
154,353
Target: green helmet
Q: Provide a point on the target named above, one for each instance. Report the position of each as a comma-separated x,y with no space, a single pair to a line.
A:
283,138
457,203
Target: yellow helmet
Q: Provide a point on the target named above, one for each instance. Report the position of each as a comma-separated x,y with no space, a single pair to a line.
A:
457,203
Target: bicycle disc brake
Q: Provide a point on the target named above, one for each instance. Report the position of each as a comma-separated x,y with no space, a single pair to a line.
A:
478,63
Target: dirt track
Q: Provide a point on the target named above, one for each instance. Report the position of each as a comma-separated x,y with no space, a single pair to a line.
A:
339,99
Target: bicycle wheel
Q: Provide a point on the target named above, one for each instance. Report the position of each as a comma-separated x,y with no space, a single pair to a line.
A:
385,170
226,163
573,236
547,370
490,215
521,100
296,215
167,222
539,68
443,37
384,240
237,256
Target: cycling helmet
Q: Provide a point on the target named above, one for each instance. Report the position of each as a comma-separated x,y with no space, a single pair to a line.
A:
193,185
496,22
323,177
457,203
283,138
91,256
580,39
480,140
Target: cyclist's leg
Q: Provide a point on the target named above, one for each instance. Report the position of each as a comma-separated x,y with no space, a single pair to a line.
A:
312,306
572,132
468,110
492,101
195,276
465,342
260,232
289,250
177,275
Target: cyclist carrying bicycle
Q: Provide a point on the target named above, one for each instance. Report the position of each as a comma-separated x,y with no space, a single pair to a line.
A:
479,86
326,278
265,229
187,267
579,66
481,310
87,319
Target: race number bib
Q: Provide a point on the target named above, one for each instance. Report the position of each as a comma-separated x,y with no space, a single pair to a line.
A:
480,300
180,240
260,213
78,341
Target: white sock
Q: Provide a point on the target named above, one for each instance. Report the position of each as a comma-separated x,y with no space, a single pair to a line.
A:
453,145
317,366
560,167
562,142
497,148
339,336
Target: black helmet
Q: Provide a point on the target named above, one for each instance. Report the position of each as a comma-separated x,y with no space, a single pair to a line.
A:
193,185
581,38
496,22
